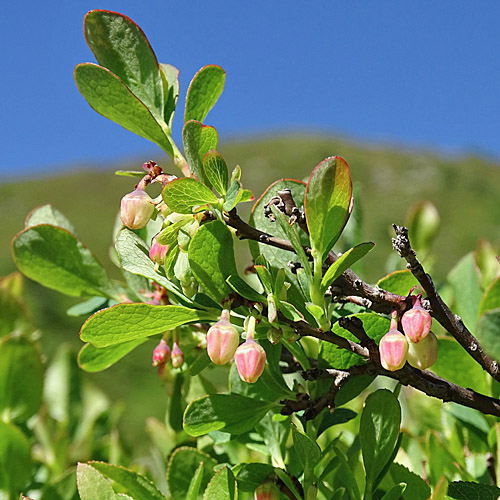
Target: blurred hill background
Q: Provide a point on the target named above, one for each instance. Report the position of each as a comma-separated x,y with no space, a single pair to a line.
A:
465,190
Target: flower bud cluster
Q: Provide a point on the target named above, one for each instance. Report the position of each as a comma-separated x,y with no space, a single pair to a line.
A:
417,345
162,356
222,346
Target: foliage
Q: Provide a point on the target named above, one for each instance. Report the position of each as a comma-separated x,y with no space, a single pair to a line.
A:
308,422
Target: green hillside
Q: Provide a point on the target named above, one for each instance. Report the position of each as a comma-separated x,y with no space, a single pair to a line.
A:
464,190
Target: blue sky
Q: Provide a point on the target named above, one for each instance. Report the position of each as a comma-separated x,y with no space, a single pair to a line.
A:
422,74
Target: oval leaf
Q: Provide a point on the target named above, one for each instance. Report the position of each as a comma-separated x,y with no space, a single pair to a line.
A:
328,203
222,486
211,258
47,214
198,139
125,322
378,432
92,359
92,485
203,92
55,258
110,97
182,195
121,46
21,378
400,282
136,486
227,412
344,262
488,333
15,459
182,466
215,170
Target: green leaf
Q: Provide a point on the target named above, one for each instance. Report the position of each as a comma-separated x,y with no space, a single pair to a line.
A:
136,486
344,262
250,476
126,322
222,486
211,257
465,490
47,214
203,92
378,432
232,195
226,412
182,195
14,315
53,257
491,298
215,170
170,81
488,333
183,464
290,311
122,47
109,96
417,488
15,459
134,258
399,282
195,484
21,378
375,326
168,236
199,363
339,416
198,139
395,492
465,282
328,203
455,364
92,359
308,451
241,287
289,483
92,485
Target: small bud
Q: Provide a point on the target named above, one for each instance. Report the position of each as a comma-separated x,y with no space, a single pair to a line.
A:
416,322
177,356
222,340
250,360
267,491
161,354
136,209
157,252
393,348
423,354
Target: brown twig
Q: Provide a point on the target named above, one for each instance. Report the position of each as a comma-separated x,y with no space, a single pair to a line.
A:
451,322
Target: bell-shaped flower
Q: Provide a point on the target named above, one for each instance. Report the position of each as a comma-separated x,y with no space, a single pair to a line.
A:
423,354
161,353
393,349
250,359
177,356
222,340
267,491
136,209
416,322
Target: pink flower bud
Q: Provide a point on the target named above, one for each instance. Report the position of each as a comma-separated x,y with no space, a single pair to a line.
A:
136,209
416,322
161,354
157,252
423,354
250,360
222,340
267,491
393,348
177,356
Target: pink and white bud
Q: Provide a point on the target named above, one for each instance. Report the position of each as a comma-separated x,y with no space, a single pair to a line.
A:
416,322
267,491
161,354
177,356
222,340
250,359
423,354
157,252
136,209
393,349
